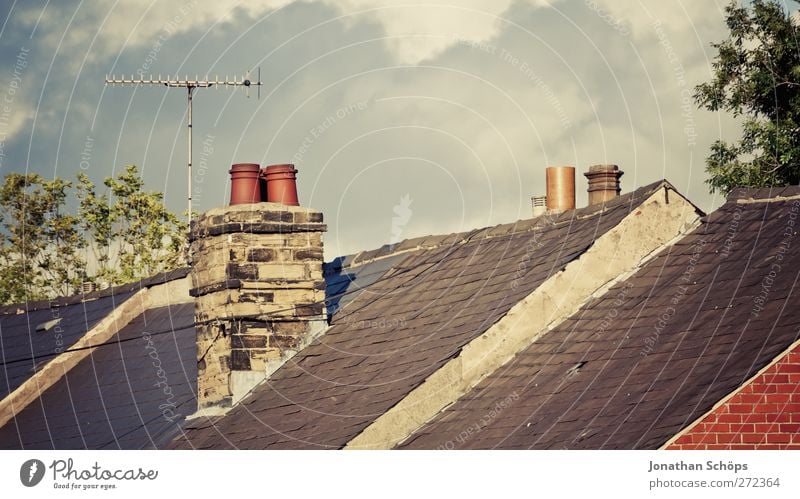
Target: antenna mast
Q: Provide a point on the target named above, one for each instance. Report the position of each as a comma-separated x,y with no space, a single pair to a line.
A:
190,86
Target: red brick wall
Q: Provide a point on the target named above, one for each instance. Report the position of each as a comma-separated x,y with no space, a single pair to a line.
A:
763,414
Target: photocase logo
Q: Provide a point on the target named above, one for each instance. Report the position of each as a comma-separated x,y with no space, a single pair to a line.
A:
31,472
403,213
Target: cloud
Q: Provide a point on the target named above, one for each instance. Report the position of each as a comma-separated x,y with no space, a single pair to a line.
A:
415,32
458,107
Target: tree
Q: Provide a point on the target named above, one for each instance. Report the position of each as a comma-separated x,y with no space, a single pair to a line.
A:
40,245
756,77
134,236
127,233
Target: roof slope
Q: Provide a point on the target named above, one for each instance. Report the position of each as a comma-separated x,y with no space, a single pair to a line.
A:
635,366
405,326
25,344
33,333
117,397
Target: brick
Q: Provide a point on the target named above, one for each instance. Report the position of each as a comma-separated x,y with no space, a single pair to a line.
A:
728,438
242,271
290,328
704,438
765,408
717,428
790,427
257,297
277,216
310,310
261,255
729,418
293,296
247,341
779,438
304,240
784,417
240,360
283,342
790,368
749,398
281,271
792,408
312,254
778,398
766,427
752,438
774,378
743,428
741,408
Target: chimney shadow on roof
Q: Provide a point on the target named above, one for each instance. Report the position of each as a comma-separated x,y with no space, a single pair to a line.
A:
336,284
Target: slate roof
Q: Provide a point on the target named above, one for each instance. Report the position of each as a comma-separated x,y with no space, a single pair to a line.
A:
637,365
115,398
24,349
442,293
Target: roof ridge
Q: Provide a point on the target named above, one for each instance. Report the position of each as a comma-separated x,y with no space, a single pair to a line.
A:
763,194
62,301
503,229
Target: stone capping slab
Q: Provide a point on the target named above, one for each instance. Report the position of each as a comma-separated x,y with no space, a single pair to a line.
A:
256,218
654,224
217,286
199,231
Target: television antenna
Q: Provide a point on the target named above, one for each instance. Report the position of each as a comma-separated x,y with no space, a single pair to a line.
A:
190,86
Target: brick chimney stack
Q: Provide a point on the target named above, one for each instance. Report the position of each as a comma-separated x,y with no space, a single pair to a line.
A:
603,183
259,295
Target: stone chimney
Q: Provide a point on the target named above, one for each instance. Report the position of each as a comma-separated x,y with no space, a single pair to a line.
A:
259,295
603,183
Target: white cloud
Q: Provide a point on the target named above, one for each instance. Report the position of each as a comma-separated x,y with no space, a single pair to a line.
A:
415,32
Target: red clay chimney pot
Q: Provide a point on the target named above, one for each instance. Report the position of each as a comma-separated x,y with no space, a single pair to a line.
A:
603,183
281,184
244,183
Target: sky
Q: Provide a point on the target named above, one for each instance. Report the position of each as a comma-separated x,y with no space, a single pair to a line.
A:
403,118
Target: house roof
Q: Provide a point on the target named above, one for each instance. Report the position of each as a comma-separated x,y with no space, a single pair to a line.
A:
86,405
31,336
658,350
131,393
442,293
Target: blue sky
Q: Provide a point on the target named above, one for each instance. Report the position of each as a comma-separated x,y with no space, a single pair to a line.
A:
445,112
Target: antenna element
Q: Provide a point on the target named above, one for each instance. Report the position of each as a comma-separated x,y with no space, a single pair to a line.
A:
190,86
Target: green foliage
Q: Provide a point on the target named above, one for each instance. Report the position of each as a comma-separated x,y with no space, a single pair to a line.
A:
127,233
40,244
136,235
757,77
